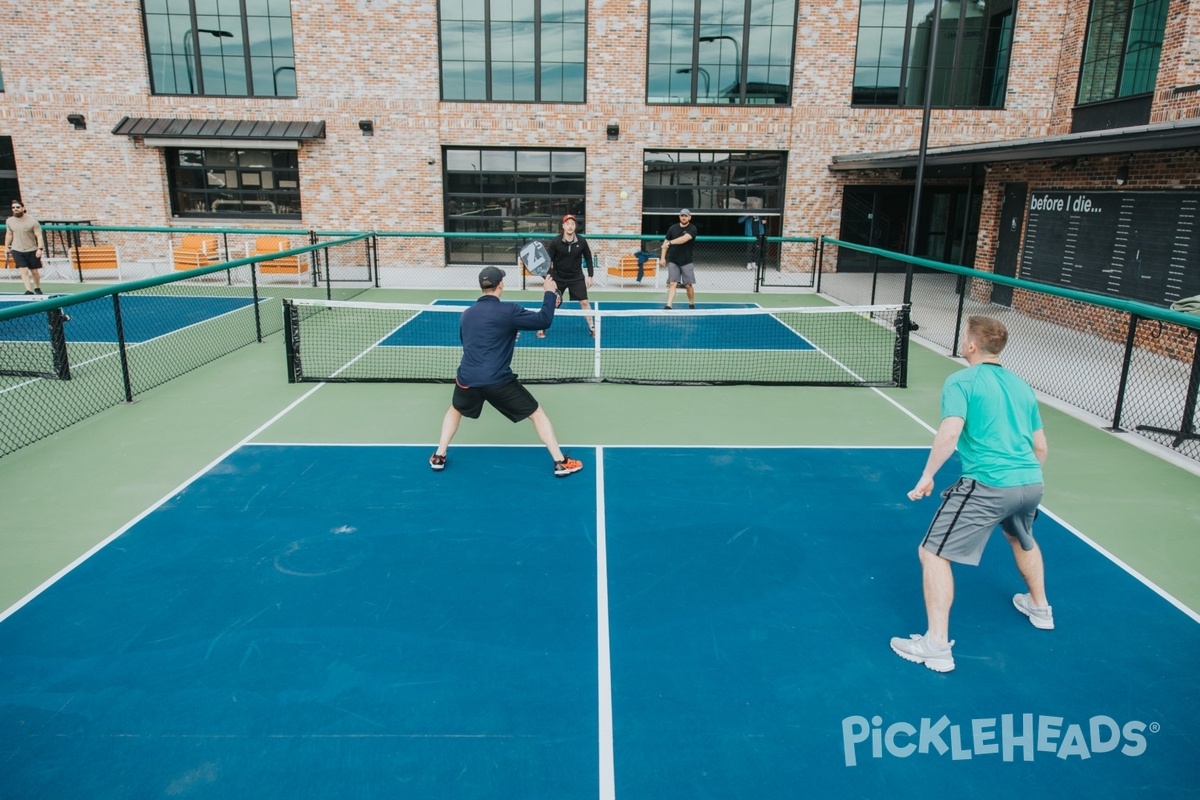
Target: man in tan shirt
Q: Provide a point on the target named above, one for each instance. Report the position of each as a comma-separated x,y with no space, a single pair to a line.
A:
23,239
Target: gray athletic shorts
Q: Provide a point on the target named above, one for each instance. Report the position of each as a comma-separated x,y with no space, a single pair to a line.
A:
971,510
683,274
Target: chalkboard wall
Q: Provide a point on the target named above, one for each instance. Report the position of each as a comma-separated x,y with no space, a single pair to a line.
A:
1138,245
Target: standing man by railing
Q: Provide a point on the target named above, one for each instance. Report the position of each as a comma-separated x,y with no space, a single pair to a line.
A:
23,239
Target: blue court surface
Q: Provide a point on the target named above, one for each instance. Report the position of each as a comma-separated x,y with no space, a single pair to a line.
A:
666,332
669,623
143,317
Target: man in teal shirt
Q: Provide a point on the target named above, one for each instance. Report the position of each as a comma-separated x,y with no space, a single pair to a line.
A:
991,416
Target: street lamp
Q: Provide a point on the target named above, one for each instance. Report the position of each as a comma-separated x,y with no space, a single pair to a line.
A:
703,73
275,77
187,45
737,59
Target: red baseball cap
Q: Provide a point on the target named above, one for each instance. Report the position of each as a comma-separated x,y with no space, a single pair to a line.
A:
567,217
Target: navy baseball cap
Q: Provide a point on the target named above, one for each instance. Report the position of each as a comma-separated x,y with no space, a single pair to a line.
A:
490,277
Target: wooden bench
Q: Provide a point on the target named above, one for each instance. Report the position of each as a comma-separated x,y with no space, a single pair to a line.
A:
288,265
627,270
196,250
94,258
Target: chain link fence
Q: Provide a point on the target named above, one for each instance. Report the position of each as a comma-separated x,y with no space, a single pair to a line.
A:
1132,364
624,262
65,357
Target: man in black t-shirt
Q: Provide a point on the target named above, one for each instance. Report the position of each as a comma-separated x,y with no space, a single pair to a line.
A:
677,254
569,254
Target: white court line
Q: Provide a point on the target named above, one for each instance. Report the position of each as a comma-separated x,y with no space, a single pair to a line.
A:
608,781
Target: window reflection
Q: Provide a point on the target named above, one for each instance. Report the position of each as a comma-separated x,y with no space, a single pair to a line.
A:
502,50
504,190
249,183
740,52
892,59
230,48
1121,54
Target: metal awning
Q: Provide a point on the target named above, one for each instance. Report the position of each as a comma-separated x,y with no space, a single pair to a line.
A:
239,130
1142,138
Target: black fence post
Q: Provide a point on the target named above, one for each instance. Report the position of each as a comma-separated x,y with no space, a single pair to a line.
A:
254,295
121,349
1124,382
958,319
819,260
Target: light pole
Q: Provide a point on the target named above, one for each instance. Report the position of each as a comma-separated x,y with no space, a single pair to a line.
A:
737,59
275,77
701,70
187,45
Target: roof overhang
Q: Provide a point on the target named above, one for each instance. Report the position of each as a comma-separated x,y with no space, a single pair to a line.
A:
1143,138
233,133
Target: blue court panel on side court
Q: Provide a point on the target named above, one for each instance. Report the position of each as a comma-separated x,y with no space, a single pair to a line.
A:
143,317
667,332
342,622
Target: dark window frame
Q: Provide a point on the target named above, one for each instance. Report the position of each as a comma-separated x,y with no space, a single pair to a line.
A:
989,90
203,198
1120,54
539,60
702,30
194,52
492,199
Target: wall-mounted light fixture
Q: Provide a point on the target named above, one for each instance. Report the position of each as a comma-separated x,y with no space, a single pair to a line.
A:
1122,175
78,121
614,131
367,127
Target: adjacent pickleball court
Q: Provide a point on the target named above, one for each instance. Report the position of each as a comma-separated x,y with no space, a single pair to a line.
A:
672,622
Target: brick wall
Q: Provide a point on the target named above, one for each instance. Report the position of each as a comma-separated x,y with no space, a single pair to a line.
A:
378,60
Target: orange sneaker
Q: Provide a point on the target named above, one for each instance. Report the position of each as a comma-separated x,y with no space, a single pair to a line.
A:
565,467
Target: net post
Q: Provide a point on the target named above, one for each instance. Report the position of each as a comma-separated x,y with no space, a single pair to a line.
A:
121,349
58,344
819,260
900,362
291,341
253,294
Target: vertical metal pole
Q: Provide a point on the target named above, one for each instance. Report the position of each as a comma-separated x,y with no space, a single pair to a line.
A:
911,245
254,296
819,260
1116,423
958,320
121,349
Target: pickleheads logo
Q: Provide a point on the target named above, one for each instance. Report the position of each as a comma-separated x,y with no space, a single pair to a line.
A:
1009,736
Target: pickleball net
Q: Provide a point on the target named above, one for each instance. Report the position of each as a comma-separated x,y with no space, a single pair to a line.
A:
353,341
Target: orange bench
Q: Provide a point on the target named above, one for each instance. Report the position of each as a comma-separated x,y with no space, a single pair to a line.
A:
288,265
196,250
627,269
97,257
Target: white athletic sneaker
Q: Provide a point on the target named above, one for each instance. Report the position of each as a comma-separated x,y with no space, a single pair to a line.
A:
918,649
1040,618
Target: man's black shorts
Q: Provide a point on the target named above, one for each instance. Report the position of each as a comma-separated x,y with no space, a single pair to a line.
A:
26,260
577,288
511,399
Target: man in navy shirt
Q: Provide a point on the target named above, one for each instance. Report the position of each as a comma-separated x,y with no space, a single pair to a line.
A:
488,331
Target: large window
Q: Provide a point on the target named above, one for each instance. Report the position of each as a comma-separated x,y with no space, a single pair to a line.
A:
513,50
9,188
712,182
502,190
1120,56
895,52
249,183
721,51
235,48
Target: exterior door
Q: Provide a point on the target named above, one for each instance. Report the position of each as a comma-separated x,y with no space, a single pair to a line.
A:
1008,241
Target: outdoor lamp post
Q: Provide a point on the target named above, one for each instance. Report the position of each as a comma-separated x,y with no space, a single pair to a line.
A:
187,45
737,59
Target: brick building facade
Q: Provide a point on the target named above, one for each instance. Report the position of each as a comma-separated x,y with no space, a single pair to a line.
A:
378,61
